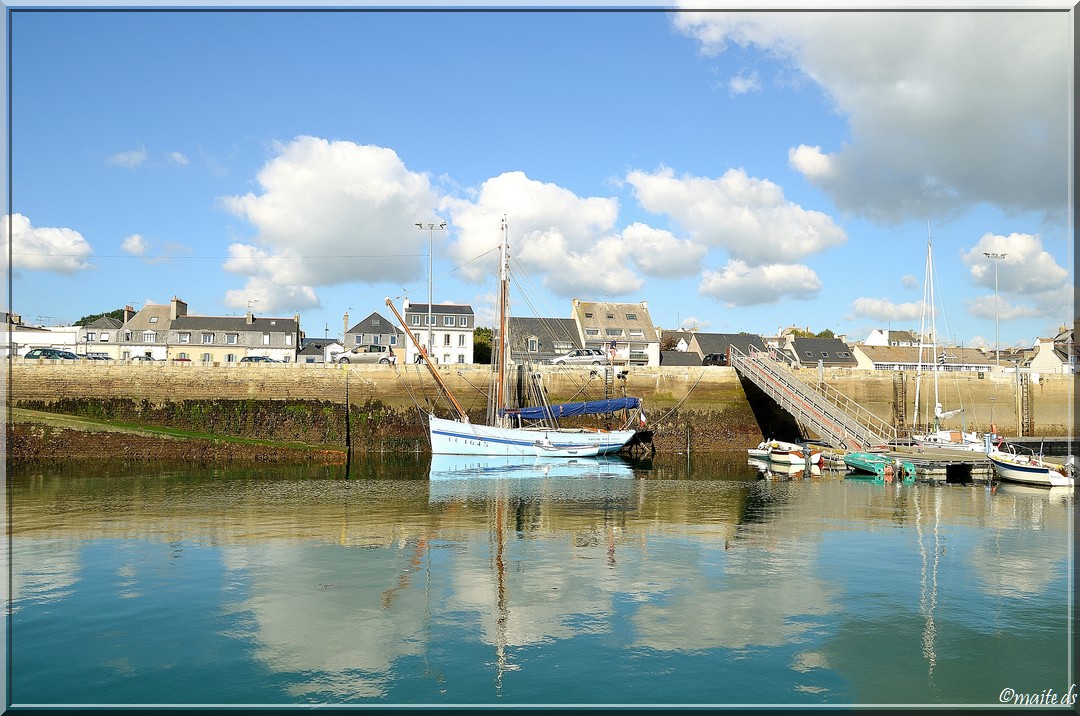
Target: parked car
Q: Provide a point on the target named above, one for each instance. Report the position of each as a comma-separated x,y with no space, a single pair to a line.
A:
151,358
50,354
714,359
581,356
368,354
258,359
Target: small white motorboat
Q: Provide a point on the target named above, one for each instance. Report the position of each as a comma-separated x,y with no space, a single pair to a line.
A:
1030,469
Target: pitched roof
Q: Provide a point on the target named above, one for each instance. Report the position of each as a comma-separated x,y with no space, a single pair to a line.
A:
105,322
152,316
626,316
377,323
234,323
677,358
719,342
830,351
910,355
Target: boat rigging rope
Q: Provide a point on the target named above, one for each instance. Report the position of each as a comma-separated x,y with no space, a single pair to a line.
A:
683,400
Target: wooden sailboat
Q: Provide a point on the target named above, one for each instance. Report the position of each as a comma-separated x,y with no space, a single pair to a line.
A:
524,431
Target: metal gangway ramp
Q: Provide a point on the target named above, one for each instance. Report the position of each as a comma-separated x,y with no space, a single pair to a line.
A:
837,419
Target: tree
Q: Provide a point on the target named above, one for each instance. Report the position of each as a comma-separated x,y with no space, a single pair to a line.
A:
118,314
669,342
483,339
827,333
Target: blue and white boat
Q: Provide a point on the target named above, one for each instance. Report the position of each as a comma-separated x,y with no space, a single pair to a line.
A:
526,431
1030,469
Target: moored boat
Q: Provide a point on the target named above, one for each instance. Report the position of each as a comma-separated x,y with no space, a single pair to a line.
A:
793,453
878,465
1030,469
520,431
759,452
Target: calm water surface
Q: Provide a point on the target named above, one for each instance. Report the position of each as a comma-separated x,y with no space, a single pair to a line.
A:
669,582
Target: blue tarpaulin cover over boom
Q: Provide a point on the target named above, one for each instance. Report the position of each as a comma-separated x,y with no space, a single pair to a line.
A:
567,410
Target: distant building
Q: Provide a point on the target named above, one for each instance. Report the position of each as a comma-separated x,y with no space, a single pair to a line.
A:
451,332
374,330
885,337
626,329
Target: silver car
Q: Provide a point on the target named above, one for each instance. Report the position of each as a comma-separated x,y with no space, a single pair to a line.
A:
368,354
581,356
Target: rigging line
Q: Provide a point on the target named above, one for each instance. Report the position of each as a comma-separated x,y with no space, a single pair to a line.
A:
683,400
416,404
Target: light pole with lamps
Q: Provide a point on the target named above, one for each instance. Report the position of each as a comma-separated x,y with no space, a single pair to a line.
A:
997,335
430,227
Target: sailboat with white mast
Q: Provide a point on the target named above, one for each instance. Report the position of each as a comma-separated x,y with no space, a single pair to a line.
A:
935,436
528,431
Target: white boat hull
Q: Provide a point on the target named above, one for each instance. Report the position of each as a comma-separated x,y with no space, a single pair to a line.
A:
792,454
1028,472
454,437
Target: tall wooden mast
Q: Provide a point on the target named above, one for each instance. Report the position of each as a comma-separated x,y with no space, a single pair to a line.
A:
504,299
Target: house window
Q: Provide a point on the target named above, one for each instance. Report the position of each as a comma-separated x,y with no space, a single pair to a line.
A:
149,337
104,337
588,314
90,336
637,333
615,332
207,338
375,339
446,358
809,354
184,337
393,340
461,340
461,358
844,354
824,354
562,346
631,316
416,320
266,339
182,355
448,320
446,339
375,322
206,358
153,319
611,316
534,345
230,357
463,322
288,339
231,338
127,336
592,333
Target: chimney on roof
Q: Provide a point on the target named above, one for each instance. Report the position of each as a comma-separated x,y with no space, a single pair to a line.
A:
344,327
177,308
128,313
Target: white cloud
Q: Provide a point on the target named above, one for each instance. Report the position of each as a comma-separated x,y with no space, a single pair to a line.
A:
748,217
743,83
946,109
134,244
910,281
129,160
179,158
329,212
693,323
884,310
45,248
738,284
657,252
271,296
1027,268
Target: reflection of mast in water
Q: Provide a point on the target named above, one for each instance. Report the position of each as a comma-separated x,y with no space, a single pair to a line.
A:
502,601
928,594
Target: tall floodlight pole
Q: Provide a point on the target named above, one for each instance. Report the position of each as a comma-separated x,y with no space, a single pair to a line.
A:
430,228
997,334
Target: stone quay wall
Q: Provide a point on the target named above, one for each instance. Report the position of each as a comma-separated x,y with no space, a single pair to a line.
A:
704,408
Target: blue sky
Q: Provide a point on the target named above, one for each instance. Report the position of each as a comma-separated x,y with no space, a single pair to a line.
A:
738,171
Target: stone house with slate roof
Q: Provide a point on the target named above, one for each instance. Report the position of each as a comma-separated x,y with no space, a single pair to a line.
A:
1054,355
227,339
99,337
626,327
886,337
373,330
451,333
812,352
540,339
146,333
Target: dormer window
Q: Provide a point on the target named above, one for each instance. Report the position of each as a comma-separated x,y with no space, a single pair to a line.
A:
153,319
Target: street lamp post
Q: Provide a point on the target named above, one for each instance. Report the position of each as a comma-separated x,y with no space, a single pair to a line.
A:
997,335
430,228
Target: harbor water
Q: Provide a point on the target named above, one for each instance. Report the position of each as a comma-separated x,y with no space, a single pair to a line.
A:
593,582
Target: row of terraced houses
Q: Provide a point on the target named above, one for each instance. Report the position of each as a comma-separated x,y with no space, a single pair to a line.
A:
624,332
